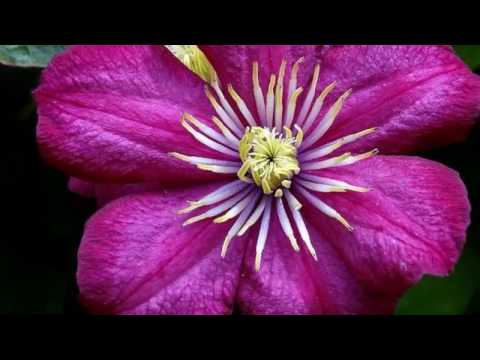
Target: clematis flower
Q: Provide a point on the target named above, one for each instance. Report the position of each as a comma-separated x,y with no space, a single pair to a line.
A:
262,190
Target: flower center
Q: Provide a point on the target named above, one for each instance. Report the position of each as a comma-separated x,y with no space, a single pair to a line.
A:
268,158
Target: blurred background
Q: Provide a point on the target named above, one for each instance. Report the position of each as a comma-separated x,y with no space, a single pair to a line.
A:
44,221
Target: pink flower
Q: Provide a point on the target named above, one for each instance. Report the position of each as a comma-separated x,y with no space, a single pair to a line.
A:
313,225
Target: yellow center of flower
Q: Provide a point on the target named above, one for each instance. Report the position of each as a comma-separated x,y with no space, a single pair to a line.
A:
268,158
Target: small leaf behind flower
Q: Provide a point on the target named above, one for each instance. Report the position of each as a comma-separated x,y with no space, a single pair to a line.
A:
470,54
28,55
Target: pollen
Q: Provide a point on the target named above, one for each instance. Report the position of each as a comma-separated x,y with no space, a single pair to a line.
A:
268,158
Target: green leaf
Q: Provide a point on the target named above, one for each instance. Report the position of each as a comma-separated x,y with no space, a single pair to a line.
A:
444,296
28,55
470,54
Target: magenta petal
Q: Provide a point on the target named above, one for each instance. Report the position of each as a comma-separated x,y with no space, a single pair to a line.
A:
412,222
112,114
137,258
105,192
293,283
233,64
417,96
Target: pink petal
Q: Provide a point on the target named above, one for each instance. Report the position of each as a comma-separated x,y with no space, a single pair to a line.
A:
137,258
417,96
412,222
104,193
293,283
233,64
112,113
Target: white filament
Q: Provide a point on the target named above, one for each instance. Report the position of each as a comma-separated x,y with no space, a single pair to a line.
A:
285,223
236,127
226,132
220,208
210,132
270,102
331,162
319,187
258,94
262,234
208,142
219,169
302,229
240,221
255,216
218,195
336,183
242,106
231,113
326,122
317,107
308,100
324,208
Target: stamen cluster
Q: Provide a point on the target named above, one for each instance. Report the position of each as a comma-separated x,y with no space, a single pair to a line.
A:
272,166
269,158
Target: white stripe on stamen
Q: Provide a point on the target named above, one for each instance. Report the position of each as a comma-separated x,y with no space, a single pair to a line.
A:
262,234
327,121
270,102
197,160
302,228
320,187
355,158
209,131
292,103
255,216
308,100
292,199
237,128
226,132
317,106
338,183
220,194
258,93
333,145
241,106
324,208
208,142
285,224
292,85
220,208
321,151
219,169
316,165
225,104
239,222
355,136
298,136
279,97
235,210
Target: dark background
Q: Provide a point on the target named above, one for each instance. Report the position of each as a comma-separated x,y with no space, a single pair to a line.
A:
43,221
